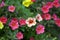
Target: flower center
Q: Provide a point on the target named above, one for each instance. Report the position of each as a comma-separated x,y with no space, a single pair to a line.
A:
39,28
13,24
38,17
31,21
11,8
45,9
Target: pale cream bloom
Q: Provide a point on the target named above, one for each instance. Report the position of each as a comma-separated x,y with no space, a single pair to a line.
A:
38,17
31,22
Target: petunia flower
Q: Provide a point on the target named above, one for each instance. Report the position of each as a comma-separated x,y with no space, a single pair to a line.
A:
14,24
46,16
3,19
27,3
57,22
19,35
11,8
45,9
31,22
40,29
22,22
38,17
49,5
54,16
56,4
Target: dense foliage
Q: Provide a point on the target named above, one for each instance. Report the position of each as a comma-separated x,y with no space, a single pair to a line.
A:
12,20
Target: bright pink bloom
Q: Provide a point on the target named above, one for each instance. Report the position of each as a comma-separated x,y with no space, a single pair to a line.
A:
56,4
11,8
54,17
19,36
46,16
57,22
45,9
49,4
40,29
22,22
33,0
3,19
2,4
31,38
14,25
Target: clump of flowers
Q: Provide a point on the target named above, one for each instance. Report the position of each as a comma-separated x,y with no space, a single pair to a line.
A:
29,19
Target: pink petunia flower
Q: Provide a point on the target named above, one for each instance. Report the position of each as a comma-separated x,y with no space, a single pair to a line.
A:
54,17
56,4
45,9
46,16
57,22
11,8
14,25
19,36
3,19
22,22
40,29
49,4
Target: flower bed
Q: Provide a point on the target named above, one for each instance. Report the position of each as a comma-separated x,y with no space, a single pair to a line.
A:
29,19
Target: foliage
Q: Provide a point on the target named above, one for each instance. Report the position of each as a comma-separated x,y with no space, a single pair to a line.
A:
52,32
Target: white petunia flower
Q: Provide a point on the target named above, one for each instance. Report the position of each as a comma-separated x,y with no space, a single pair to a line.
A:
31,22
38,17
